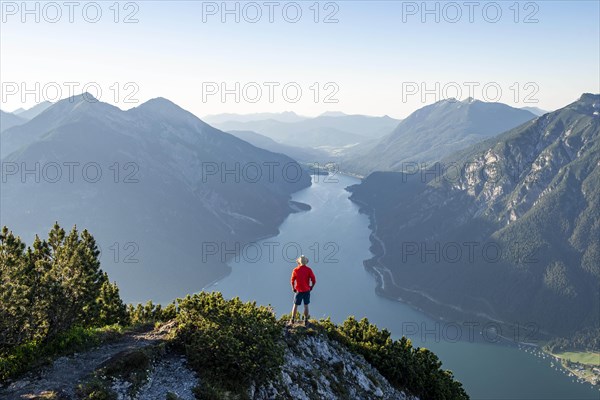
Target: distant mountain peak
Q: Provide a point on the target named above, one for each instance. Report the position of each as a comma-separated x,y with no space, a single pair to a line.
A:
535,110
587,104
85,96
590,100
435,131
8,120
333,114
34,111
455,101
162,106
53,114
451,102
80,102
158,101
587,97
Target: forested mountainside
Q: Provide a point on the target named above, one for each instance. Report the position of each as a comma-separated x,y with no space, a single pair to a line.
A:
506,230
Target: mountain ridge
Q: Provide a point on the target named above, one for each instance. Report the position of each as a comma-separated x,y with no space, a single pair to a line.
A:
319,132
8,120
34,111
549,174
285,116
434,131
157,172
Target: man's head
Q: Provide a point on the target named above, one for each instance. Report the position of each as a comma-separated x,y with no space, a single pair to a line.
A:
302,260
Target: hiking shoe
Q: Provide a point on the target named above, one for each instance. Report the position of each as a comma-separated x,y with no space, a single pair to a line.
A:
306,322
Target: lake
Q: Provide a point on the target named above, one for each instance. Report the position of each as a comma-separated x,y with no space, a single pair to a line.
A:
335,237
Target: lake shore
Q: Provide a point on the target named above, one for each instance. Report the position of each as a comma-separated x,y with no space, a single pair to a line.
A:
584,365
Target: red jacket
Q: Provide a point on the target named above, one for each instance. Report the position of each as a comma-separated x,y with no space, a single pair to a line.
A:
301,278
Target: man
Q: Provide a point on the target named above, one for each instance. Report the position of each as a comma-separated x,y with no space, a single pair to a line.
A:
303,281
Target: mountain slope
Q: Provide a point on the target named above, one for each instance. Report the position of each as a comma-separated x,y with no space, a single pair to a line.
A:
302,154
33,111
169,196
435,131
535,110
512,236
8,120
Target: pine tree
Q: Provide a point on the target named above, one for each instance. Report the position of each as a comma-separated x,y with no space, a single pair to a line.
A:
14,306
111,308
53,286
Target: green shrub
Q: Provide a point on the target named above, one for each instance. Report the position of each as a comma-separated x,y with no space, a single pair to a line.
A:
229,342
18,360
95,389
33,354
416,370
27,355
151,313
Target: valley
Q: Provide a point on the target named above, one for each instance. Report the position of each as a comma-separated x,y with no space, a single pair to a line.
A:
490,360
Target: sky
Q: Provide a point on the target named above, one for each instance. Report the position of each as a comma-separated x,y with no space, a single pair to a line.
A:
359,57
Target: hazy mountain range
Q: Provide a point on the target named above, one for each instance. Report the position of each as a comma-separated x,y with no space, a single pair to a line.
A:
32,112
325,131
287,116
302,154
535,110
150,183
530,195
21,115
433,132
8,120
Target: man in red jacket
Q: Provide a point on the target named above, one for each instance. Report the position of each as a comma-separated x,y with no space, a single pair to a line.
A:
303,281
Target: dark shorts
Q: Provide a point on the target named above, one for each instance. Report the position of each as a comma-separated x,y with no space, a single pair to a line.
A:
302,296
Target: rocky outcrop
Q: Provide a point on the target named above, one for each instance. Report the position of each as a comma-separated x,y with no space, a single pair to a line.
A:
142,366
316,367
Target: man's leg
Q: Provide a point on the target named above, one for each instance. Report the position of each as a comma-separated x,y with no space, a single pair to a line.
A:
294,310
305,314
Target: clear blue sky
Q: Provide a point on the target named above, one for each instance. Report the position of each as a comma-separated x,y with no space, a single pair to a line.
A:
379,55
